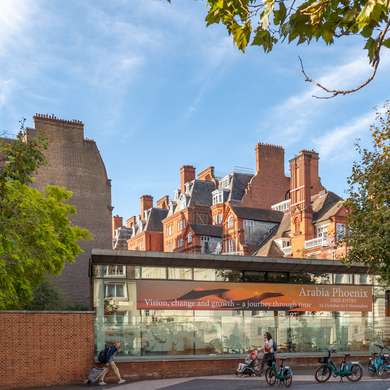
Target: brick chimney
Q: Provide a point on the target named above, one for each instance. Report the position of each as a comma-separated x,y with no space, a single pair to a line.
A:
130,222
304,183
117,222
163,202
207,174
269,159
187,174
146,203
269,185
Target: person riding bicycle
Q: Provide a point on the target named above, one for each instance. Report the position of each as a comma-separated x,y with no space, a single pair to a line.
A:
268,349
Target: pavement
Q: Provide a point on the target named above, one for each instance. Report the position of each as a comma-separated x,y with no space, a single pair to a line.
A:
304,381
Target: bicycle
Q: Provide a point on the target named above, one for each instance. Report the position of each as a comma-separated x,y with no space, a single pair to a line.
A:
353,371
379,363
281,375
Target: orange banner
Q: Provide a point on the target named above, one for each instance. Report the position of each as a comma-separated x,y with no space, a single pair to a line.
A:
183,295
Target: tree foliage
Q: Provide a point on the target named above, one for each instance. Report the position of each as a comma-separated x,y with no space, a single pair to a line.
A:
36,235
266,22
368,237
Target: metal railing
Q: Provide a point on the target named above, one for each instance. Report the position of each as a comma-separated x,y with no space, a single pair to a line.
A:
282,206
315,242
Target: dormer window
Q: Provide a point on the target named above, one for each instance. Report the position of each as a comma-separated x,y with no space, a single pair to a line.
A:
225,182
217,197
230,221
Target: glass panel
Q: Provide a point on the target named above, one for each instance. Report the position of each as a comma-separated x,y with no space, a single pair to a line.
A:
277,276
180,273
254,276
153,273
204,274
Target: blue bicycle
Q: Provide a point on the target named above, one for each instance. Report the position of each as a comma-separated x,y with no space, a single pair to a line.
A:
379,363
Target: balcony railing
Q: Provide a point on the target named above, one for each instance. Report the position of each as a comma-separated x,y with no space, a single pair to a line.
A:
282,206
315,242
287,250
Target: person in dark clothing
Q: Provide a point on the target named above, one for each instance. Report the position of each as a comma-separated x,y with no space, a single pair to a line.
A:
110,355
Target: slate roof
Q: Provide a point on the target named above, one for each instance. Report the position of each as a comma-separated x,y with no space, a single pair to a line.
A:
154,223
201,193
238,185
265,215
207,230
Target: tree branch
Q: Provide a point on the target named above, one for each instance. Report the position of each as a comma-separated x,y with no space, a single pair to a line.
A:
336,92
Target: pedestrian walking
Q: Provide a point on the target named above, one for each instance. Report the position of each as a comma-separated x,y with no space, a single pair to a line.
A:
108,355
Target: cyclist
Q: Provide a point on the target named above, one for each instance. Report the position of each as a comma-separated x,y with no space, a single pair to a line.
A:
268,349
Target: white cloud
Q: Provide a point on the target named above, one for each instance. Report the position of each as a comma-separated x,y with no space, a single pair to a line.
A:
299,113
339,141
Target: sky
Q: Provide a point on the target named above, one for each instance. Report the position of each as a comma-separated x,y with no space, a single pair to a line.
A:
158,89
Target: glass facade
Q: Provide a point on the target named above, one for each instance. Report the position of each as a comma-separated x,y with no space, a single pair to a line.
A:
178,333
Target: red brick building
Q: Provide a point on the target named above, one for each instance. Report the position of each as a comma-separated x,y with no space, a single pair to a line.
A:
265,213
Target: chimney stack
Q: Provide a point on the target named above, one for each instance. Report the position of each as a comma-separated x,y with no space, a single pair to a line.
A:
269,159
187,174
207,174
117,222
163,202
146,203
304,183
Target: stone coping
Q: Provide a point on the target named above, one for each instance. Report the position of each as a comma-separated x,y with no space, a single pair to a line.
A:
45,312
288,355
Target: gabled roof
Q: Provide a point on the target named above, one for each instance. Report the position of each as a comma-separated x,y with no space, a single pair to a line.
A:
238,185
201,193
265,215
325,205
207,230
154,223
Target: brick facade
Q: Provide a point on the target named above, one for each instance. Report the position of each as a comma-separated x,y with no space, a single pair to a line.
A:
45,348
75,163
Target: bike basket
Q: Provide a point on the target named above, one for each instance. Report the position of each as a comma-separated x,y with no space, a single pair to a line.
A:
323,360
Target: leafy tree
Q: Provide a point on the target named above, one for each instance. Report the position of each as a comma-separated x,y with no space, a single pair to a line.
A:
368,234
266,22
36,235
45,296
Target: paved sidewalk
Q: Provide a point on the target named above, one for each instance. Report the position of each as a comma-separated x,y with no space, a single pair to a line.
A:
302,380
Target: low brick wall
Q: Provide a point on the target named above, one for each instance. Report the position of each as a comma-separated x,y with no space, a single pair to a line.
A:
45,348
157,369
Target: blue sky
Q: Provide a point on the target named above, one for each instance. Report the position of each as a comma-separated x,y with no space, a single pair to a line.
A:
157,89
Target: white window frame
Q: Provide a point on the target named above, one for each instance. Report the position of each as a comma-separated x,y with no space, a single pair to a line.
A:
189,237
116,272
322,230
115,296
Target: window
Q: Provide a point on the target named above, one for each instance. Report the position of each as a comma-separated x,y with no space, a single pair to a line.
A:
340,231
230,221
181,224
204,274
180,242
153,273
322,231
114,290
169,230
217,219
189,237
114,271
217,197
230,246
180,273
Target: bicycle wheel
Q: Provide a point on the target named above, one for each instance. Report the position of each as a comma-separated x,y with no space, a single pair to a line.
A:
322,374
270,376
356,373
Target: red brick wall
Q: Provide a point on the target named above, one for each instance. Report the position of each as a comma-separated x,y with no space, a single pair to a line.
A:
45,348
153,369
